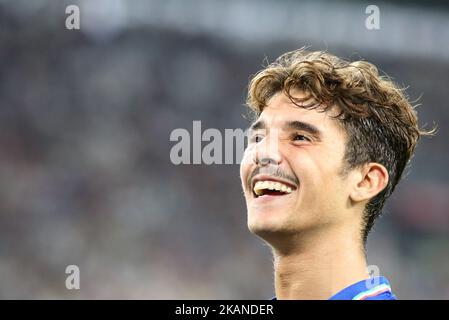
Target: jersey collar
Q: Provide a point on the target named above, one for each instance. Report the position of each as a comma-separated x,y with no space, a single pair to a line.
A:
364,289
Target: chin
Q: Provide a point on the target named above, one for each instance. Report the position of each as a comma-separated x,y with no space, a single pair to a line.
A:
267,222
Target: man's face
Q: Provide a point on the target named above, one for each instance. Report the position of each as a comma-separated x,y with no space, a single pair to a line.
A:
291,170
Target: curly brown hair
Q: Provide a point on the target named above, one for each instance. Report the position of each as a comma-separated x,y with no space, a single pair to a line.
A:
380,123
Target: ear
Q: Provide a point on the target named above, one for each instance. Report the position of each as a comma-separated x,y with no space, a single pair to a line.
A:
370,180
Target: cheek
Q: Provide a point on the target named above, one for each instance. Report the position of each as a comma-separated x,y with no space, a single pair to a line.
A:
327,189
318,175
245,167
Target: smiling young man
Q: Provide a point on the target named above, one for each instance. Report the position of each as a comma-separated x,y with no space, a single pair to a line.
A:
329,143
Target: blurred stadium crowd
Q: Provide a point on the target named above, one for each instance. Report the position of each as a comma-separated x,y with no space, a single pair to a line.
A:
85,173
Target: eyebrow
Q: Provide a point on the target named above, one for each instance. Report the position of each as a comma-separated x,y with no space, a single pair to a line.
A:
300,125
292,125
259,124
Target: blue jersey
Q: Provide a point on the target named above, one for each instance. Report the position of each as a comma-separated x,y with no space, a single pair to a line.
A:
377,288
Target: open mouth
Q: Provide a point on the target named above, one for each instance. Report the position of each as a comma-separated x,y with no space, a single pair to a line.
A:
272,188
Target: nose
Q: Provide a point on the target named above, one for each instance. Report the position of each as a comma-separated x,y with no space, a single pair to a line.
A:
267,151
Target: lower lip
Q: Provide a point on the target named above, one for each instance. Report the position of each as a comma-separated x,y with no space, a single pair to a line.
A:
268,198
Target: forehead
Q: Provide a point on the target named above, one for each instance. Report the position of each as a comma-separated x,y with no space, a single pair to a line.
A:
281,110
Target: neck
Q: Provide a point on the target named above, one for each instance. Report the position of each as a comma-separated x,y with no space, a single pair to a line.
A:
318,265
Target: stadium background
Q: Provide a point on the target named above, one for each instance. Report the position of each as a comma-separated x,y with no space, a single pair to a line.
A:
85,120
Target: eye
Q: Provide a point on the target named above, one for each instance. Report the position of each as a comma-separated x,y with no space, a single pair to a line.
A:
300,137
256,138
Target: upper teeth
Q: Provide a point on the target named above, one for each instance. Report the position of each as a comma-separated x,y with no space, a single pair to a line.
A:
270,185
